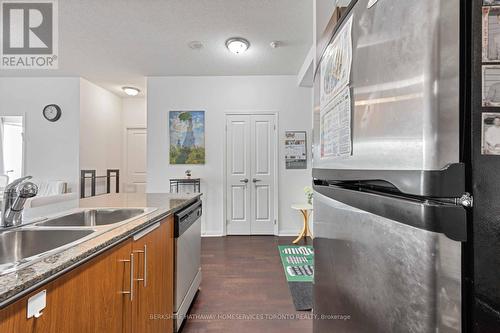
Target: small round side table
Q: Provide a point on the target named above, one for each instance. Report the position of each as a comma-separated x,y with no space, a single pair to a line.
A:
305,209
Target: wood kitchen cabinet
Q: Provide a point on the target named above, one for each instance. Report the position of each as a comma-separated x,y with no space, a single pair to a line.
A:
153,304
86,299
95,297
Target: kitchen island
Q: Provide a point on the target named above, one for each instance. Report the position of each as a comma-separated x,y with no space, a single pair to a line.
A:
106,275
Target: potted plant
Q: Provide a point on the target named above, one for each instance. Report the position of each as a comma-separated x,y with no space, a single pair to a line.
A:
309,194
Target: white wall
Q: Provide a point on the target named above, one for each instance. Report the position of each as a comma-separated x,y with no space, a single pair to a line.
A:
134,112
218,95
101,132
51,147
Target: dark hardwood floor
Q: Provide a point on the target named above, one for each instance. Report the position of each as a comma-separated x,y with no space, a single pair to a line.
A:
243,280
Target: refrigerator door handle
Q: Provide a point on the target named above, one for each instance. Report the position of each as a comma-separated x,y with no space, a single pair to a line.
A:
448,219
446,183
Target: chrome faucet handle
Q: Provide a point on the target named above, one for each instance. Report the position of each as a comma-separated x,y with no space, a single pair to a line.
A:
27,190
24,191
13,204
15,183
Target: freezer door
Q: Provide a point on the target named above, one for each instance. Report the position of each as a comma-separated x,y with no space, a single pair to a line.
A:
404,86
374,274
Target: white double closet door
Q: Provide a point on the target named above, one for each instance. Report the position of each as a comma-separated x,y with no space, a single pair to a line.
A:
251,157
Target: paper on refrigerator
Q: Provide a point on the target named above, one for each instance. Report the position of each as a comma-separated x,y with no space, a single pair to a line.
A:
336,64
335,126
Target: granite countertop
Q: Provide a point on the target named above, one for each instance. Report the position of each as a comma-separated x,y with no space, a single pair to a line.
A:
18,283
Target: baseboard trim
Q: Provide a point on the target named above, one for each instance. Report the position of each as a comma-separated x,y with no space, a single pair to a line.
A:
287,233
212,235
281,234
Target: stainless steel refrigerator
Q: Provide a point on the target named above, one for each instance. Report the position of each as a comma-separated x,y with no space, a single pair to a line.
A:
390,218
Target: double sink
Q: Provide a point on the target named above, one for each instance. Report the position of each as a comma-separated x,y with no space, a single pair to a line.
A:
22,245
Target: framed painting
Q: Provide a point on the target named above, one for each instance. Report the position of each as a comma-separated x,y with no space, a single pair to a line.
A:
187,137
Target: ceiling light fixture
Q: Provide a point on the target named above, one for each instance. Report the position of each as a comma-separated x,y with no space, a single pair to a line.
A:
237,45
131,91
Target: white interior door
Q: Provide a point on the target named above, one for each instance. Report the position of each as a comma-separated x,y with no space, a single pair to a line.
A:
238,174
263,157
250,166
136,160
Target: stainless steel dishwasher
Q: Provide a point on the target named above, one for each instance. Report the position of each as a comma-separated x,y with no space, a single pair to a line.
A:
187,268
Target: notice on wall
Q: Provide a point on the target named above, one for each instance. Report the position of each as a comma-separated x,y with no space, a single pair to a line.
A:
335,127
295,150
336,65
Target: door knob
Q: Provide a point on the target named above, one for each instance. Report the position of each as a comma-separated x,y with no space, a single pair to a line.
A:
244,180
255,180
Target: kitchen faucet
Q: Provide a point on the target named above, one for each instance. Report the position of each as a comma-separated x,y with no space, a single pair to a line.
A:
14,198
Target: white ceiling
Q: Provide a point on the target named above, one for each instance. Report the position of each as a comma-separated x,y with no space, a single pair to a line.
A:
119,42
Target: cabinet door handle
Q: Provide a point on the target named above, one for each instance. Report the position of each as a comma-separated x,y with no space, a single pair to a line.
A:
145,252
255,180
131,277
131,291
145,264
244,180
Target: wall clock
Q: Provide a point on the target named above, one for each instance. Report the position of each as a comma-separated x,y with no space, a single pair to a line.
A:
52,112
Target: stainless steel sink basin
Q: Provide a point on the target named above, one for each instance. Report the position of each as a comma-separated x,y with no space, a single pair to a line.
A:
93,217
19,245
35,241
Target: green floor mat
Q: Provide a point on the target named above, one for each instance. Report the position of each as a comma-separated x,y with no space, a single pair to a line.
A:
298,262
